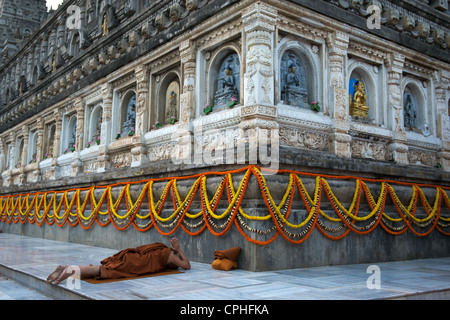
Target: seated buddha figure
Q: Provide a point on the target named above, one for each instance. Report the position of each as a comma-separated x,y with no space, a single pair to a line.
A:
358,106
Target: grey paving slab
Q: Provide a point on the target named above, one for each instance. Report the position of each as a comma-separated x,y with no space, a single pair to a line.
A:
30,260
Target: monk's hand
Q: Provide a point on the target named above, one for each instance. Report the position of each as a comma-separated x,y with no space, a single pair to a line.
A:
175,245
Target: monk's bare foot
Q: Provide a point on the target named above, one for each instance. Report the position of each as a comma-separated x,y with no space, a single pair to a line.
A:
55,274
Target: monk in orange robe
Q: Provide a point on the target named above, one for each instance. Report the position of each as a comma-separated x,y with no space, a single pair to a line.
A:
133,262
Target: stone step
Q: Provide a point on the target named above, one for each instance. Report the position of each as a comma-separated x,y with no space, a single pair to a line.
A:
33,282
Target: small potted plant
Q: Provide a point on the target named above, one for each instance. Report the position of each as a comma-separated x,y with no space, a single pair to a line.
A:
233,101
119,134
98,140
315,106
172,120
158,125
88,145
72,148
131,132
207,109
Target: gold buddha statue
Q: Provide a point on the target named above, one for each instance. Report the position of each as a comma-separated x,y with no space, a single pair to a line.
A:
358,106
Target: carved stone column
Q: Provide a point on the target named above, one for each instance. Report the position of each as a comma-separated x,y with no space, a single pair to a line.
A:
338,45
77,164
2,154
39,148
443,122
103,157
25,134
398,150
259,114
139,151
40,140
7,178
259,28
184,136
57,144
23,157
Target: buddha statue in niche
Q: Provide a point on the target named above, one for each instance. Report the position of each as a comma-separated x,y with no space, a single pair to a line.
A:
293,80
73,136
227,83
409,112
128,125
358,107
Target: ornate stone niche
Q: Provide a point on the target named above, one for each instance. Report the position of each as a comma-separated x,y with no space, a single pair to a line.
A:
19,152
32,147
166,106
95,125
128,113
415,115
365,92
69,140
225,75
49,139
293,80
409,111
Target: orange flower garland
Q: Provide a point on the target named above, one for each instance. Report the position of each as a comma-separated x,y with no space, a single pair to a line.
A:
334,222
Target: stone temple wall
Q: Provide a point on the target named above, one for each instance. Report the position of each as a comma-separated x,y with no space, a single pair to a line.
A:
185,97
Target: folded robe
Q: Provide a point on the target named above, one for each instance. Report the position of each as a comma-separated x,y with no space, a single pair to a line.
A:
134,262
226,259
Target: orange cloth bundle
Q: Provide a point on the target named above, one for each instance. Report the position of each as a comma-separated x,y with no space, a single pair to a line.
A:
226,259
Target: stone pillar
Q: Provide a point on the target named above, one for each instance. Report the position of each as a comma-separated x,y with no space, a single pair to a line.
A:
57,143
25,135
39,148
79,106
259,32
58,131
442,117
103,157
12,150
40,141
2,155
340,139
7,178
259,114
77,164
398,150
184,136
23,160
139,151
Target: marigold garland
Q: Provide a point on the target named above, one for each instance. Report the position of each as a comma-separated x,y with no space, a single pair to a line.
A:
335,221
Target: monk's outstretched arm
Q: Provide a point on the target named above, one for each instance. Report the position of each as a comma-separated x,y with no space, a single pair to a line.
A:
178,258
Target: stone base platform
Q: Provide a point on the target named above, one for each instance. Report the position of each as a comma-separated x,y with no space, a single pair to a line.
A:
294,238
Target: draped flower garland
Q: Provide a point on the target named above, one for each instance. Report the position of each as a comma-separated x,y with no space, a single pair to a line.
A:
294,217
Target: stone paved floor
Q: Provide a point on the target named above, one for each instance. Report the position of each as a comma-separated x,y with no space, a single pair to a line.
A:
405,279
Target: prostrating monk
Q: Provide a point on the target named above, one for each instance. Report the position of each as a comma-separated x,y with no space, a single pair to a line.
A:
128,263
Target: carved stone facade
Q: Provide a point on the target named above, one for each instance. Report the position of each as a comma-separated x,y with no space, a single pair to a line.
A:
130,85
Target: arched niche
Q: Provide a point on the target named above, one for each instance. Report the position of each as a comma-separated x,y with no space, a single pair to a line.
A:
298,76
168,102
95,124
415,113
363,94
49,141
128,113
70,139
75,44
19,152
224,78
32,147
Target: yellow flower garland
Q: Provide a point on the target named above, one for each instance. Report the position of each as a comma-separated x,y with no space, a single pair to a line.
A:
47,207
